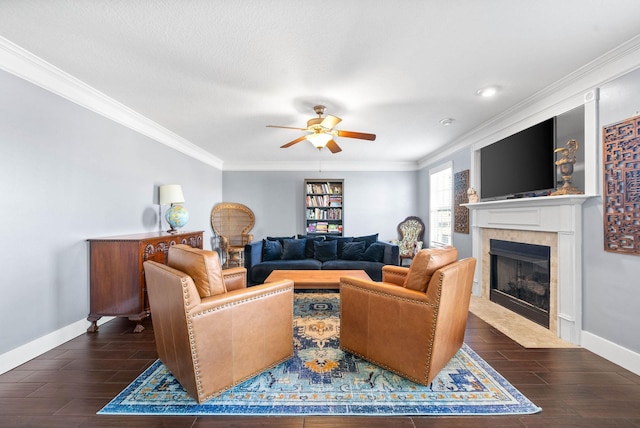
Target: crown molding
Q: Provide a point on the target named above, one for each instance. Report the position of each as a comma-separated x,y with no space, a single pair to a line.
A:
617,62
27,66
320,165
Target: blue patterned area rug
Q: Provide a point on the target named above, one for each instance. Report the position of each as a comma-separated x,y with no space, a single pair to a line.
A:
323,380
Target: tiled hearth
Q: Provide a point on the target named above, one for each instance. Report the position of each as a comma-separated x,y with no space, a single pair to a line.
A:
554,221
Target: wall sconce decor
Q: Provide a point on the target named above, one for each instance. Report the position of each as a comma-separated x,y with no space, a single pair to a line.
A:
177,215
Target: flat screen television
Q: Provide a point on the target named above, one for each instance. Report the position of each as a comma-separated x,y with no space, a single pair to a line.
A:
522,164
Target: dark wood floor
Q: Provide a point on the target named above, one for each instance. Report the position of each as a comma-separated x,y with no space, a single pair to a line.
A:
68,385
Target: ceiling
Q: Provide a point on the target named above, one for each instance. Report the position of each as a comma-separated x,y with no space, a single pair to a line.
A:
216,72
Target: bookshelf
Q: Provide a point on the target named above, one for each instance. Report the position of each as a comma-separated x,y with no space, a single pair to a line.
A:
323,206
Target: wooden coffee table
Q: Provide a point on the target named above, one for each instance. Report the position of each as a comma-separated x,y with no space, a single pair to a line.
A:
308,279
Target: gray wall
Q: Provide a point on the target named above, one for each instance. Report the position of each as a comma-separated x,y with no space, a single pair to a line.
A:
611,286
461,160
68,174
374,202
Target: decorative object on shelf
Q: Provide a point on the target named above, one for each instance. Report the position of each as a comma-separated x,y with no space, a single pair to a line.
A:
621,188
322,132
566,168
177,215
472,195
460,196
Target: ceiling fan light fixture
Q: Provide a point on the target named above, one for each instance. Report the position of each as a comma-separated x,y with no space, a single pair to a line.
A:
319,139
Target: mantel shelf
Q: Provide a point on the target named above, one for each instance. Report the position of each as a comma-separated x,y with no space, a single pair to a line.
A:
531,202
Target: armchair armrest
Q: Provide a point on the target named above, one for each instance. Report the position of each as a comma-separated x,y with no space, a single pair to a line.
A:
234,278
357,285
394,274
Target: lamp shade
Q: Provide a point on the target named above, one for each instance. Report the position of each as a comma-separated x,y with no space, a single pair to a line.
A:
171,194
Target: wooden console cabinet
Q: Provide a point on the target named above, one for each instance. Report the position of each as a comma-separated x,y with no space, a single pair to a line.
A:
117,285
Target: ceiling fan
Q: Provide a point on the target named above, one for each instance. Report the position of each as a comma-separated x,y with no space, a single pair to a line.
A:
322,132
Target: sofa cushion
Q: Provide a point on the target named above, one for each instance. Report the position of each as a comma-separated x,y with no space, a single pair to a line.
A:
293,249
326,250
424,265
375,253
353,250
368,240
202,266
271,250
309,250
259,273
341,240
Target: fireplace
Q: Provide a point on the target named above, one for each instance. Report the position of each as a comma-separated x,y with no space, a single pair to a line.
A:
520,278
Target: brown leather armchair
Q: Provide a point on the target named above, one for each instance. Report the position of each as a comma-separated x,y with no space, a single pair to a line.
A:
211,331
413,322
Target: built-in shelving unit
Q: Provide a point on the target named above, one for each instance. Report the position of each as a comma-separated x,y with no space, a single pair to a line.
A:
323,206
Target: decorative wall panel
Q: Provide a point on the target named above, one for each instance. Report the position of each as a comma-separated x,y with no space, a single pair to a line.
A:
621,188
460,214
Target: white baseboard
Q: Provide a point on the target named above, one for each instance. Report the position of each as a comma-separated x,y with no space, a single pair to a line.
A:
20,355
623,357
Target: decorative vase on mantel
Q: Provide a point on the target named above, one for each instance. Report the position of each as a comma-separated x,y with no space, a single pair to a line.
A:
566,168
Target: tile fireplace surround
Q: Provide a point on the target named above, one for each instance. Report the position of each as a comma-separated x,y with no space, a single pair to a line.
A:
554,221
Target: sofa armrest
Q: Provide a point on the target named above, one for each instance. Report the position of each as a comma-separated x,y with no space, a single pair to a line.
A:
252,254
391,253
234,278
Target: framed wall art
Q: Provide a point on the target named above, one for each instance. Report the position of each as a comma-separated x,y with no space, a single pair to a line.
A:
621,186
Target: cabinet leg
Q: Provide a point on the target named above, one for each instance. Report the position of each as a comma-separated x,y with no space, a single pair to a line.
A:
139,328
94,324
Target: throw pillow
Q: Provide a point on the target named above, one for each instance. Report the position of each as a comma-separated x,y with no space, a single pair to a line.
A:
325,250
202,266
309,250
368,240
375,253
279,238
293,249
424,265
341,240
353,250
271,250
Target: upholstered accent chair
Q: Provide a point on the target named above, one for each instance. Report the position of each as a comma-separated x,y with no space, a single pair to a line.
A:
413,322
411,233
211,331
232,223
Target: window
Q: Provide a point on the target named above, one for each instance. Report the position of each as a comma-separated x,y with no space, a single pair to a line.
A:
440,205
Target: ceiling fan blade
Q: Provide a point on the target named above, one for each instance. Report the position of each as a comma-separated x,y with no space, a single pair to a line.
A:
286,127
333,147
330,121
291,143
359,135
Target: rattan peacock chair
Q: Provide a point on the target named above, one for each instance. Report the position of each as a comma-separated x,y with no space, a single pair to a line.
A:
232,223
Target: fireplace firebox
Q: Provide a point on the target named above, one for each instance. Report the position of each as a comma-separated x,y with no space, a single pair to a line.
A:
520,278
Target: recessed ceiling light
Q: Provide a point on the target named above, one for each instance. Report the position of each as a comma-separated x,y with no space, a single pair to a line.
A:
489,91
447,121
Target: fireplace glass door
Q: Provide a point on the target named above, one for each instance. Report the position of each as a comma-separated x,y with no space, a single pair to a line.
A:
520,278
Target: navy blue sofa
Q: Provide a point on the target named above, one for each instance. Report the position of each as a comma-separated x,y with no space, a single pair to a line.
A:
258,269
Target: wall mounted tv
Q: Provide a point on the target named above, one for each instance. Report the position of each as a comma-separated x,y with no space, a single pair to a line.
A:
522,164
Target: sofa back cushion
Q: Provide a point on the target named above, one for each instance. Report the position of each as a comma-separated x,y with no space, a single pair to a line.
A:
425,263
294,249
326,250
202,266
271,250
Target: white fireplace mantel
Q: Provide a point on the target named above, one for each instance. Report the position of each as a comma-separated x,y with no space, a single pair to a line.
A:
558,214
